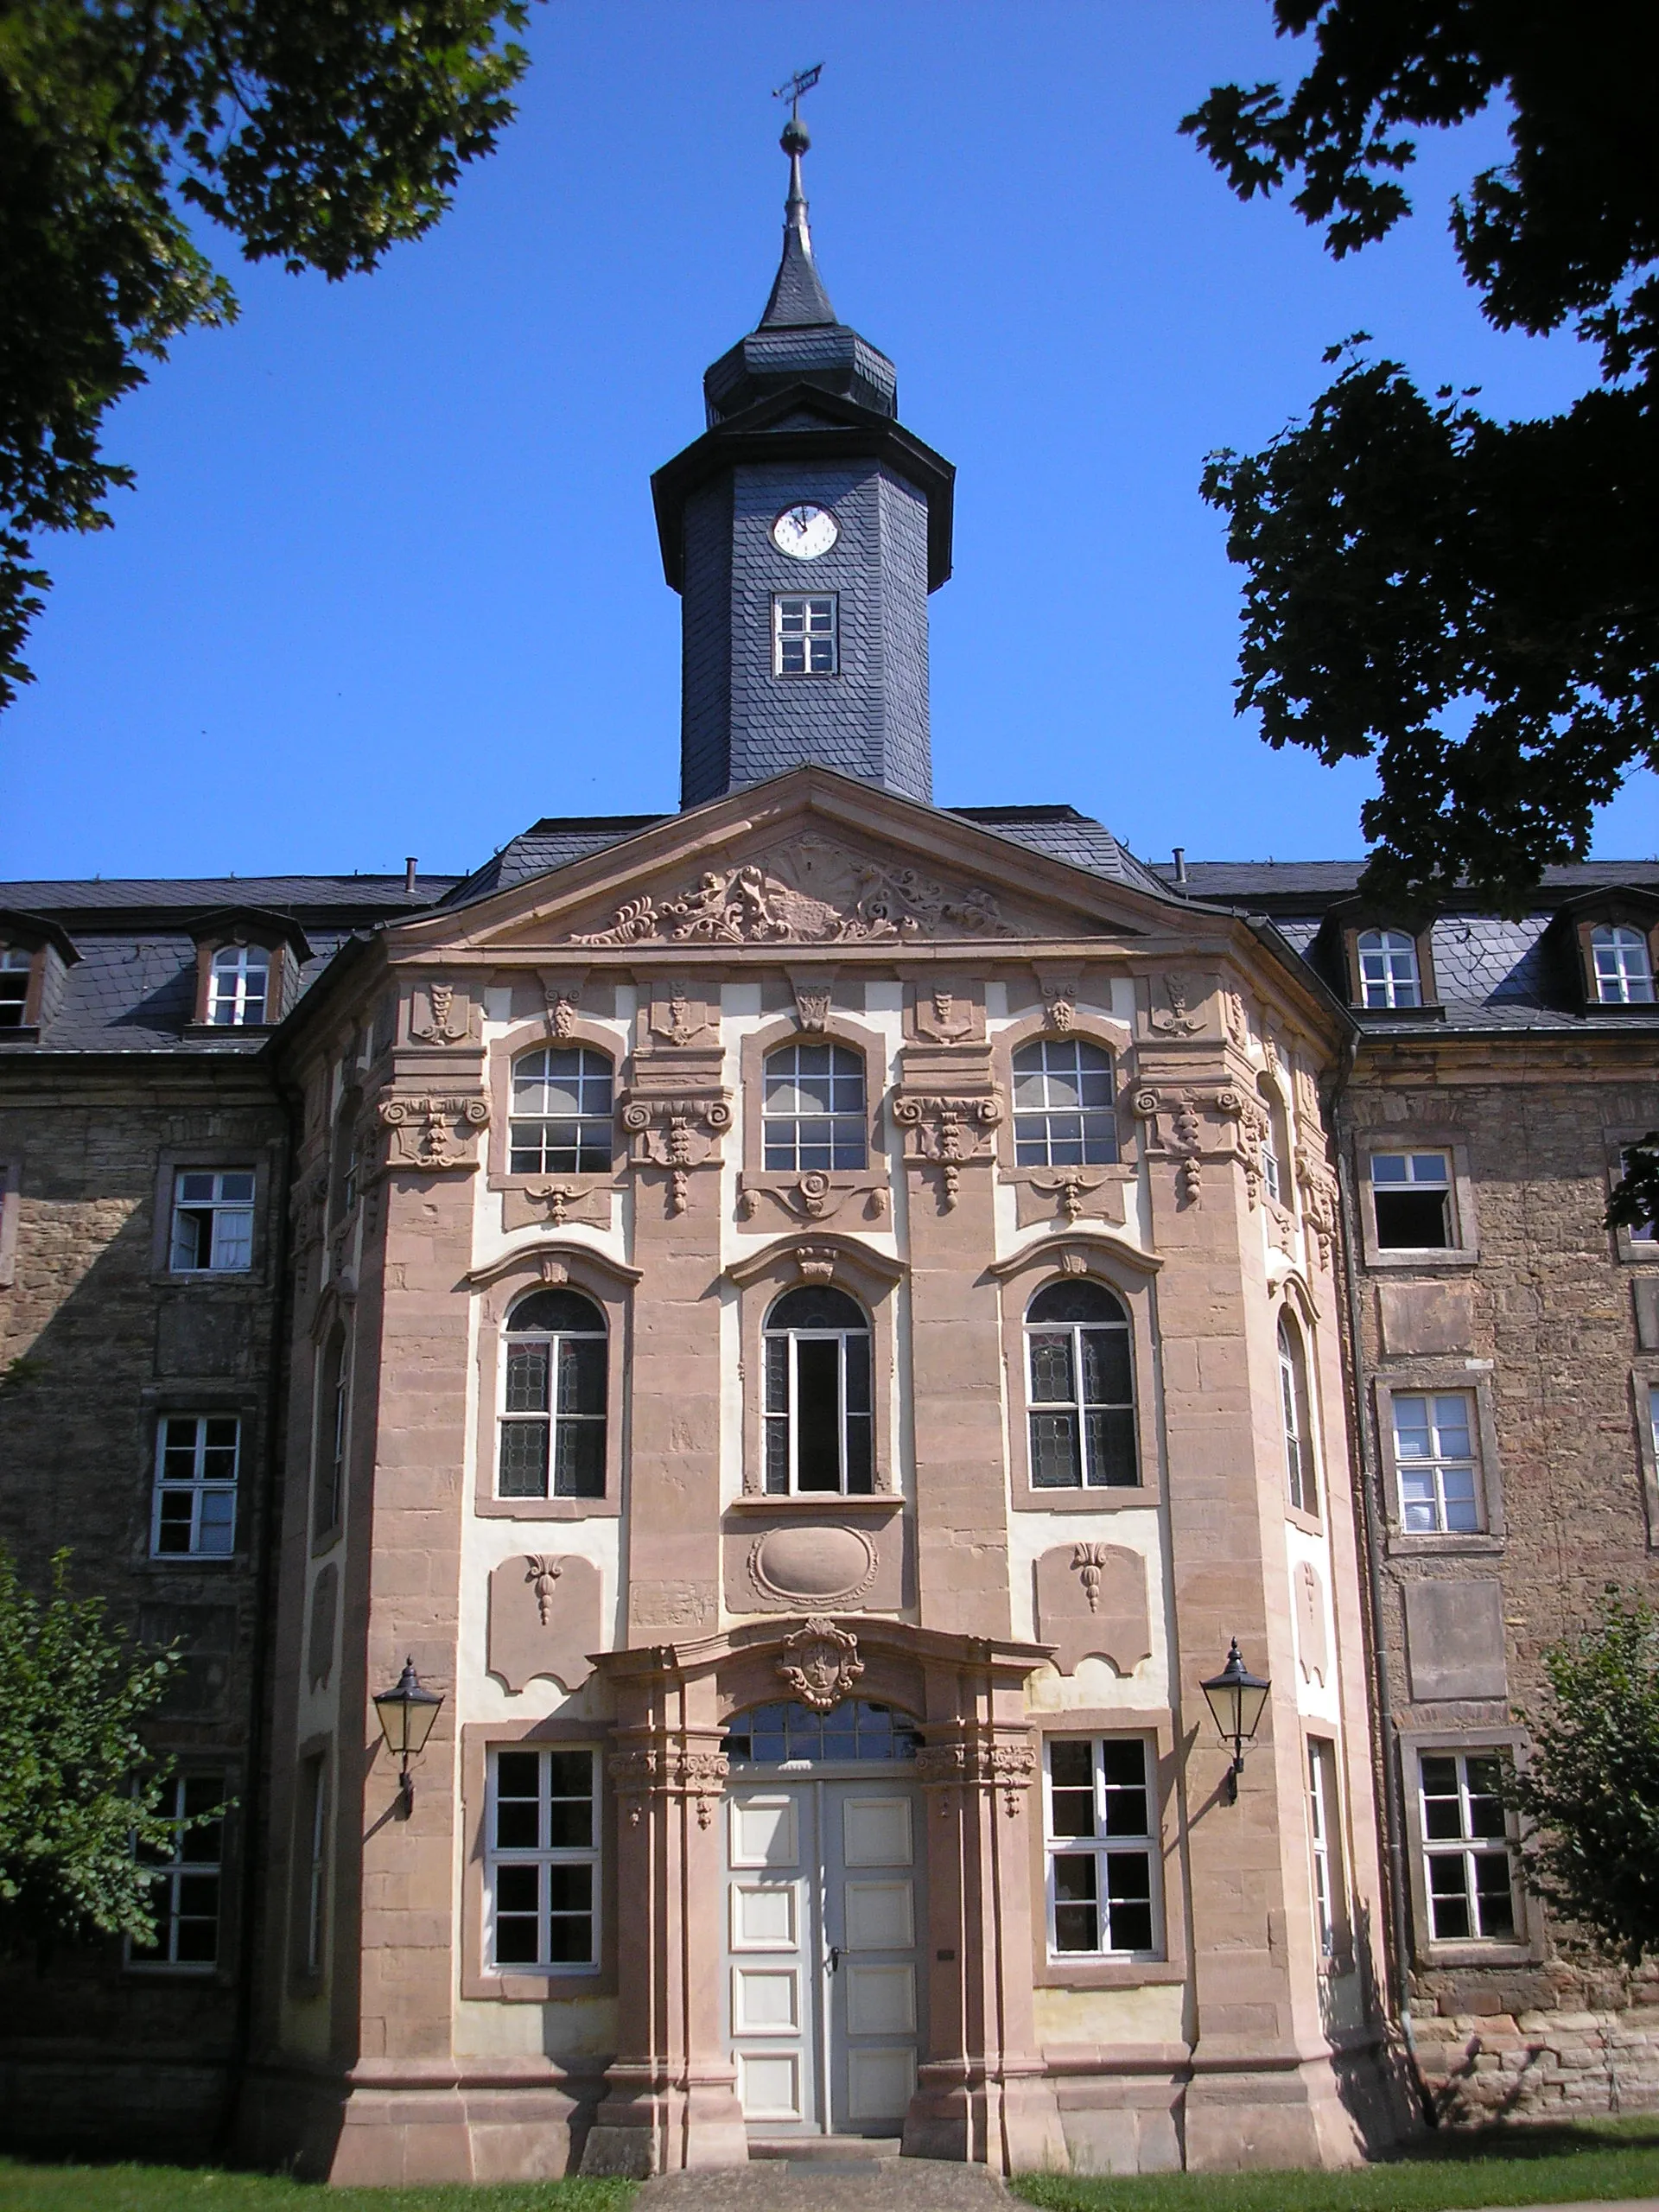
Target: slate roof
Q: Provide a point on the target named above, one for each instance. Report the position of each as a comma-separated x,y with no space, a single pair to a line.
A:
1063,834
553,843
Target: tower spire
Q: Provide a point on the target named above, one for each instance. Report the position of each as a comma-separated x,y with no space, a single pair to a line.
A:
798,300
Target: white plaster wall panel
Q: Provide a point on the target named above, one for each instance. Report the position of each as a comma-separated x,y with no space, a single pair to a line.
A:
485,1545
1321,1701
1133,1528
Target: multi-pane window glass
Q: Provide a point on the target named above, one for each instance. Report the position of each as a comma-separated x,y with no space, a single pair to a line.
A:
553,1398
213,1221
1082,1407
1411,1195
15,966
1624,967
781,1734
1434,1457
812,1113
542,1859
818,1415
1275,1143
1466,1847
1388,968
239,985
803,635
1062,1105
185,1879
1322,1834
1102,1849
561,1106
196,1465
1301,1487
334,1415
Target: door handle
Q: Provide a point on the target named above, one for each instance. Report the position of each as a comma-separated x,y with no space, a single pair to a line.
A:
835,1957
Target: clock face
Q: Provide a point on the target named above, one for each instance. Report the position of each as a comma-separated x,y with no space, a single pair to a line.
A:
804,531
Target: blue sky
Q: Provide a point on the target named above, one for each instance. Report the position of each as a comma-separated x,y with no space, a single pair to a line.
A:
389,582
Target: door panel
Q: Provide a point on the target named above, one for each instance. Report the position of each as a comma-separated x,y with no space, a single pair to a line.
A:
765,2001
880,2000
769,2082
876,1831
880,2084
766,1829
881,1916
765,1919
873,1912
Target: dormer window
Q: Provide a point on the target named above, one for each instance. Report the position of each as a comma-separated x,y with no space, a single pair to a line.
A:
1623,965
1388,968
238,986
16,967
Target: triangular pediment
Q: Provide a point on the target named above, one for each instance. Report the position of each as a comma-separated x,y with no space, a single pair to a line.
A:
809,859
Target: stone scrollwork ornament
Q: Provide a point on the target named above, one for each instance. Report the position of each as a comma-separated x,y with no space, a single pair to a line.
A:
669,1770
820,1663
444,1028
431,1134
677,1134
950,1131
1175,1018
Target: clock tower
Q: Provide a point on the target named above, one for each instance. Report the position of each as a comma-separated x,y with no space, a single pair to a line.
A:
804,532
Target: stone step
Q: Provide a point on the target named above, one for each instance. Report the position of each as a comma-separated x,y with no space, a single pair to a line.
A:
835,2150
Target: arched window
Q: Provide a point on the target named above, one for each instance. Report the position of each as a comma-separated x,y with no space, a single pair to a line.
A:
817,1404
1624,969
1388,968
1064,1112
773,1735
560,1112
812,1111
238,983
342,1164
1302,1489
1275,1145
333,1419
553,1398
1082,1409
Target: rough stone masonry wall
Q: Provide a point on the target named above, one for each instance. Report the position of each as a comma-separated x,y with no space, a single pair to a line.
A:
1552,2031
88,1339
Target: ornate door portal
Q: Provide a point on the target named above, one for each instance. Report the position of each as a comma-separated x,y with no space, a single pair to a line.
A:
824,1912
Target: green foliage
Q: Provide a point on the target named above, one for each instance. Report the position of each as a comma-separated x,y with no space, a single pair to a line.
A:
172,2189
1635,1200
1591,1785
319,134
1475,603
79,1789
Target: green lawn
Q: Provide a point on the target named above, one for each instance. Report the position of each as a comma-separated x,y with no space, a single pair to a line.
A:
186,2189
1537,2163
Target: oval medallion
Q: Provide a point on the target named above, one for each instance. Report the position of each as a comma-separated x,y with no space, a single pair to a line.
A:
815,1566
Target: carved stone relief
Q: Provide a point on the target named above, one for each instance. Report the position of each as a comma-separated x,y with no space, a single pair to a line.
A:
439,1014
813,995
1060,988
431,1134
1092,1600
678,1134
807,891
557,1201
811,1196
1068,1194
682,1012
669,1770
1177,1005
945,1013
949,1131
1311,1649
788,1565
819,1664
977,1763
561,991
543,1618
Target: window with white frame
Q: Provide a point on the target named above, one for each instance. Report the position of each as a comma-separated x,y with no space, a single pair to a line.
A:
813,1118
1436,1462
562,1112
1275,1143
314,1815
197,1461
805,635
213,1221
1302,1486
818,1418
1388,968
187,1879
16,967
542,1889
1064,1112
554,1387
1411,1201
1624,967
333,1420
1325,1846
1102,1847
238,986
1644,1231
1469,1874
1081,1382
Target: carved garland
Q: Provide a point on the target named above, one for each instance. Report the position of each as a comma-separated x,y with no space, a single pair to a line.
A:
977,1765
669,1770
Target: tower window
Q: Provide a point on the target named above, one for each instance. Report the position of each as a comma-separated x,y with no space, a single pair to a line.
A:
805,635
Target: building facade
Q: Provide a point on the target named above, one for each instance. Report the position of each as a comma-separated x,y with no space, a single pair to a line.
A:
813,1323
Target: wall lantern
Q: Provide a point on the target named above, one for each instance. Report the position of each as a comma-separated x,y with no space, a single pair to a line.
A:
406,1717
1236,1698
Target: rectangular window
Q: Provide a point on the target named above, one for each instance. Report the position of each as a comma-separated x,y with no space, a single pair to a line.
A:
212,1222
542,1860
1103,1847
333,1420
806,638
187,1894
1644,1233
1434,1457
15,967
314,1847
1324,1844
239,985
1466,1864
197,1461
1411,1196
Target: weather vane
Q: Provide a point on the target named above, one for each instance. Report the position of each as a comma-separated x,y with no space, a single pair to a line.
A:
802,81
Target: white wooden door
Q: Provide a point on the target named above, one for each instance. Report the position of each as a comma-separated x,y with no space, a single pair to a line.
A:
771,1954
874,1924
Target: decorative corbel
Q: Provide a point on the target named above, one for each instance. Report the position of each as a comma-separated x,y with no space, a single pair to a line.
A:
433,1135
1059,988
949,1131
677,1134
814,990
447,1024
